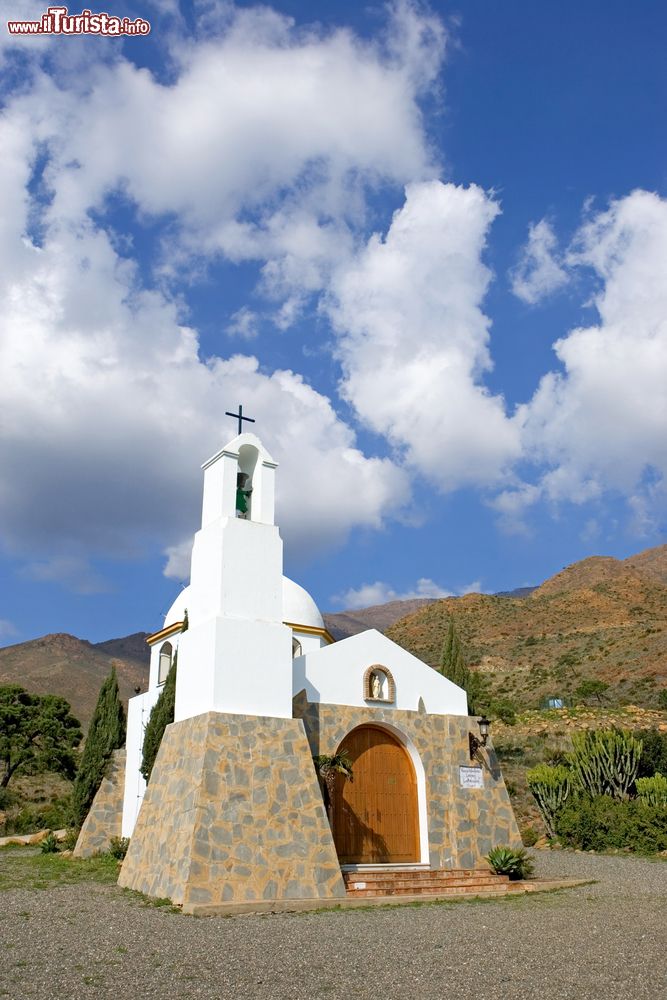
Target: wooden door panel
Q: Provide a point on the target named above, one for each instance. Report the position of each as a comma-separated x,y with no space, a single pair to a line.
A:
375,817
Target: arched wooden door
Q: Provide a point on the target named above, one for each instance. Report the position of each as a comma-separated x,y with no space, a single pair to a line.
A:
375,816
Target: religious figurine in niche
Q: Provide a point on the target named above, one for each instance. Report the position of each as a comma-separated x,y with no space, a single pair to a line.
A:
376,685
242,494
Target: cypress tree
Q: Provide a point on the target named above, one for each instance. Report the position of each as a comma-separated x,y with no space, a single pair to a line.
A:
161,716
454,666
105,734
453,663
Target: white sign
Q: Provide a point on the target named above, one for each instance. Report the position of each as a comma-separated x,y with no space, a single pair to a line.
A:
471,777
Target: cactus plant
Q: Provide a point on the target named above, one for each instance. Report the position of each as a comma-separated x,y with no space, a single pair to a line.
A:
605,761
550,787
653,790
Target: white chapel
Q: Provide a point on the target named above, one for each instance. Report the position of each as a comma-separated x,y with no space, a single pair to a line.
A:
234,811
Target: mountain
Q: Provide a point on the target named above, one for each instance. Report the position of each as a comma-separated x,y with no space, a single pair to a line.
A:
379,616
342,624
64,665
129,647
601,618
650,562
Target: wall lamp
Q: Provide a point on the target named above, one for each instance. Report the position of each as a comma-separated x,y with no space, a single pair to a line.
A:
479,741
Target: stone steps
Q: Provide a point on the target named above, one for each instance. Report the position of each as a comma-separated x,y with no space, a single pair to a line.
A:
424,882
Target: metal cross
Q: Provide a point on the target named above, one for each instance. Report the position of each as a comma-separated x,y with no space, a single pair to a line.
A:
239,416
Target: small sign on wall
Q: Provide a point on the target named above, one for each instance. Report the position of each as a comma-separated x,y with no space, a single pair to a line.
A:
471,777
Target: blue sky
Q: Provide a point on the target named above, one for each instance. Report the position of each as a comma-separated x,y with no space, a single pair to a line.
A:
425,246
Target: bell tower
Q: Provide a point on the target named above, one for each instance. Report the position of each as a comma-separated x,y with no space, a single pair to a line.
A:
236,656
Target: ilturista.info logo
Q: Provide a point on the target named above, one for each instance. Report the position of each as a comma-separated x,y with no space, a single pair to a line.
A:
59,21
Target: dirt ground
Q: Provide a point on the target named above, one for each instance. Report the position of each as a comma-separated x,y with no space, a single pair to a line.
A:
80,936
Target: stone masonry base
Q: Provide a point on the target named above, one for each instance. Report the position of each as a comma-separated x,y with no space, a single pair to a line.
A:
104,820
233,813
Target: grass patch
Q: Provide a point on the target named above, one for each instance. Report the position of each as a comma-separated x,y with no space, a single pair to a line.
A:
157,903
25,869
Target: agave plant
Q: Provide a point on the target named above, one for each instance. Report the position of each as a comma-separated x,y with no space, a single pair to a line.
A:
50,844
515,864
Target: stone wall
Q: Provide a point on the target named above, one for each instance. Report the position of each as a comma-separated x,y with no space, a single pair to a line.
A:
463,823
233,813
104,820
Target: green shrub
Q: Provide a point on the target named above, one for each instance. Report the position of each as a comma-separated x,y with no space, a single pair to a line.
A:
654,752
662,699
50,844
591,689
71,837
30,818
118,847
7,798
529,836
653,790
505,710
601,823
515,864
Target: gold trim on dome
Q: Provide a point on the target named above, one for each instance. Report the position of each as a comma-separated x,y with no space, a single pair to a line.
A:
312,630
164,633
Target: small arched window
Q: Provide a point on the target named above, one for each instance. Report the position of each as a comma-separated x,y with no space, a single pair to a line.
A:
166,655
296,648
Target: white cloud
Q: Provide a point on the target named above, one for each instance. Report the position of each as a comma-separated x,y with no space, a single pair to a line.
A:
371,594
512,504
413,340
599,425
261,147
71,571
539,271
105,432
22,10
243,323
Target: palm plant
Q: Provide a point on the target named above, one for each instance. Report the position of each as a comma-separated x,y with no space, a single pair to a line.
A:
328,767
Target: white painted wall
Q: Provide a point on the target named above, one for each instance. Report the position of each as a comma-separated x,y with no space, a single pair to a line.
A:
233,665
138,712
236,655
155,659
334,675
236,572
309,642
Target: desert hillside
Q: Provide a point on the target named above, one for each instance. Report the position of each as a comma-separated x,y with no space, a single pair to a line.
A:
601,618
341,624
64,665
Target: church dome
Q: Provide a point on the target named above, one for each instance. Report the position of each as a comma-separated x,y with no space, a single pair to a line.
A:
298,606
176,612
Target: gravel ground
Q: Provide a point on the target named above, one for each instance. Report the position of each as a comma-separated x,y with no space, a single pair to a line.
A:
607,940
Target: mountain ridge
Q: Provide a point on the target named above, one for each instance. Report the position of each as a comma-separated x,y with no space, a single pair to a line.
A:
600,618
